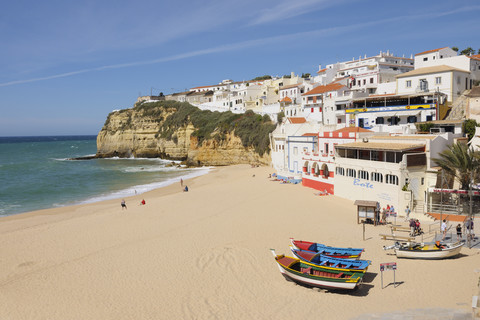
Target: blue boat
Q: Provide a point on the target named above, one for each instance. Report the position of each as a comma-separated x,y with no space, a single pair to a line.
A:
330,262
344,253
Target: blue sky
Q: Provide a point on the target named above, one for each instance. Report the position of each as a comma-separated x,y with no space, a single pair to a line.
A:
64,65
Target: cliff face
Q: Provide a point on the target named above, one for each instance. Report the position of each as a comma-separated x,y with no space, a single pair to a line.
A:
131,132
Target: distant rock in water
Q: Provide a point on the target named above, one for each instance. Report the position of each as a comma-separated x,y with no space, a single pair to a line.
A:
178,131
83,158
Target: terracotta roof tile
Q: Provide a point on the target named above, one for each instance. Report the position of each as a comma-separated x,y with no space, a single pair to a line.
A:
352,129
322,70
430,51
323,89
297,120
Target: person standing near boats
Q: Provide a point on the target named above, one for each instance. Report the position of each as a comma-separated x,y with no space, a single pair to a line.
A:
443,228
459,232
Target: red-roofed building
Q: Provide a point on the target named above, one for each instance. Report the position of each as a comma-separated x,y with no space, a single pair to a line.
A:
426,58
319,97
296,120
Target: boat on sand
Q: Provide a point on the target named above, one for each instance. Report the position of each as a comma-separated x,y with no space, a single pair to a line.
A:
315,276
336,252
427,250
330,262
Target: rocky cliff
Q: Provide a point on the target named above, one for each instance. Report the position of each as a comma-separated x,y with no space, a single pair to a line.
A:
168,131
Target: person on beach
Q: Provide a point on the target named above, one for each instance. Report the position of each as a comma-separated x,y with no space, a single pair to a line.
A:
412,227
443,228
124,204
407,213
142,203
469,227
185,189
181,182
459,232
384,216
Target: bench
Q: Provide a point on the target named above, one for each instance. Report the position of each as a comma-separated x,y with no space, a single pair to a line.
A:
394,237
398,228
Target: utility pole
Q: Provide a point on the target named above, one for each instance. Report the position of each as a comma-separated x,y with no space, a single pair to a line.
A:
470,215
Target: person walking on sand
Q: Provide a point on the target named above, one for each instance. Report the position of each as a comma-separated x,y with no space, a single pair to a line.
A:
443,228
459,232
181,182
124,204
407,213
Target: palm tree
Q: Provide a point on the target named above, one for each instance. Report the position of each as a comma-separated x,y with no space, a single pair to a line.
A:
461,162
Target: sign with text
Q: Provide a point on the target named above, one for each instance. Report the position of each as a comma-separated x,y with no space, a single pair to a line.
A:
388,266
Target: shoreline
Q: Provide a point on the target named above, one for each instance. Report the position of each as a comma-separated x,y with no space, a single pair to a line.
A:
205,254
123,193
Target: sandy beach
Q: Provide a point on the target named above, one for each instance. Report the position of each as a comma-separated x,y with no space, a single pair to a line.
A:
204,254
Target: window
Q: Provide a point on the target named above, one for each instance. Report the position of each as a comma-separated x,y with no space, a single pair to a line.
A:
364,81
408,83
378,177
371,80
438,80
425,59
340,171
423,181
351,173
423,85
379,120
363,174
412,119
391,179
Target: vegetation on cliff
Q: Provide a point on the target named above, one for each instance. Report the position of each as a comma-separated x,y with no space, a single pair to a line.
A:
251,128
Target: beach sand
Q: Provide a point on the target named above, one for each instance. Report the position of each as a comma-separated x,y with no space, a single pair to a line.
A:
204,254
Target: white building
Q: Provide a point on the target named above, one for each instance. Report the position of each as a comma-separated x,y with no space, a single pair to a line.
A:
445,79
394,170
285,159
319,162
366,74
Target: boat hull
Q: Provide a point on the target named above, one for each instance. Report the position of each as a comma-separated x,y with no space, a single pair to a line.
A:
318,283
331,263
342,253
315,276
429,254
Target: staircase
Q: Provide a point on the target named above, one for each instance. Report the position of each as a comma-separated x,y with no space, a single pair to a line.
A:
459,106
419,211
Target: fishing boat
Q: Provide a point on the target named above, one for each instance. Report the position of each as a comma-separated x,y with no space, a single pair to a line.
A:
315,276
427,250
330,262
344,253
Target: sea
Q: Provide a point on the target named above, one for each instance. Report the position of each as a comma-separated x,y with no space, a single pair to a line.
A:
37,173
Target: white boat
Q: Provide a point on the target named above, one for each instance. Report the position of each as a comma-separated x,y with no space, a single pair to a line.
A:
429,250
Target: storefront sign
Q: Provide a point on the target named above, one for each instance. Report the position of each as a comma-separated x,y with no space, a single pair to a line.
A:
368,185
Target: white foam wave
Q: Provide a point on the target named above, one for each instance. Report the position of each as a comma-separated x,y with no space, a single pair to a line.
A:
139,189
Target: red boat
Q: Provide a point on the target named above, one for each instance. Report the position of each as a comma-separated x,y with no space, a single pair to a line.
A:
344,253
